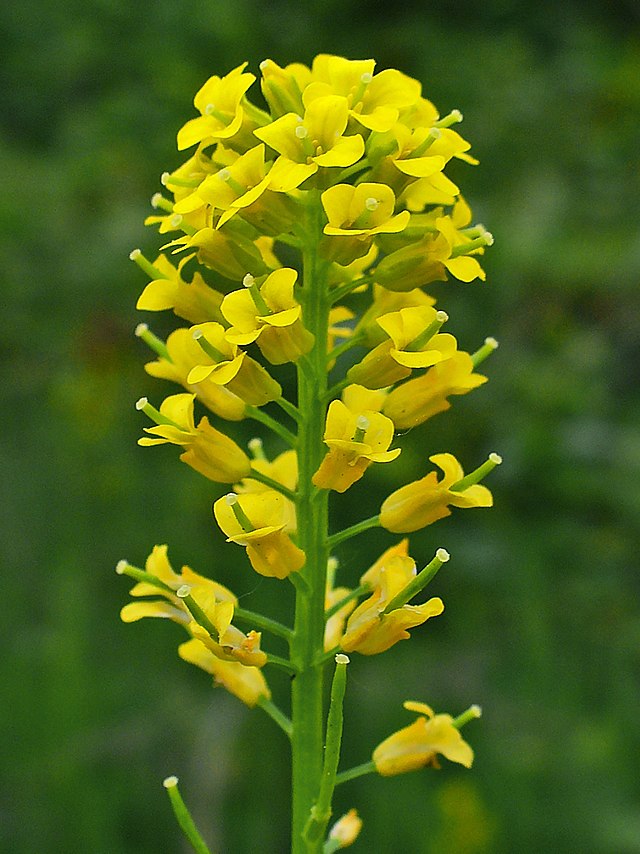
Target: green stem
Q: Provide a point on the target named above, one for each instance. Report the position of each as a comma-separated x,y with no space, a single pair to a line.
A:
355,594
353,773
183,817
358,528
312,517
283,663
289,408
276,715
344,290
272,424
263,622
354,341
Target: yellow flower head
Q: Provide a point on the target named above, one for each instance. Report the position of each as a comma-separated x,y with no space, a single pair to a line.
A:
355,441
257,521
424,501
306,143
246,683
219,103
417,400
195,301
270,315
207,450
225,365
417,745
369,629
183,353
413,343
283,469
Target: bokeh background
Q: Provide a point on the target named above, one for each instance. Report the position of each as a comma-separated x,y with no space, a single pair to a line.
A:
542,626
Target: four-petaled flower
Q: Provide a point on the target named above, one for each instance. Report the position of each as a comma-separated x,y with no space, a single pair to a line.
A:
247,683
417,745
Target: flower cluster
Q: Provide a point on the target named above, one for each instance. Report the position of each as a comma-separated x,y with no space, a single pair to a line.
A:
304,235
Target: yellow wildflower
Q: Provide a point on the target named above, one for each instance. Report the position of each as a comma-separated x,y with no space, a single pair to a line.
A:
369,629
225,365
257,522
195,301
417,400
183,353
424,501
270,315
355,441
283,469
417,745
219,103
207,450
307,143
246,683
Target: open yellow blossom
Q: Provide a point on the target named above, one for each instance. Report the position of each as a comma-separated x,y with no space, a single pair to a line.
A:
207,450
362,211
355,441
283,469
369,629
195,301
224,364
170,606
227,642
270,315
375,100
257,522
417,400
219,103
414,342
385,302
424,501
183,352
417,745
246,683
306,143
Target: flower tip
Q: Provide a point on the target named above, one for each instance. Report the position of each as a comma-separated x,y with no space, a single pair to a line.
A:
332,563
248,280
197,334
495,458
363,422
170,782
140,404
264,64
488,238
371,204
255,444
367,77
231,498
140,329
156,199
491,342
165,178
175,220
183,591
456,115
443,555
435,133
442,316
475,710
121,566
135,253
341,658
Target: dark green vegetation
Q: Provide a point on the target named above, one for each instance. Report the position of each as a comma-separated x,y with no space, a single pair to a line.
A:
542,626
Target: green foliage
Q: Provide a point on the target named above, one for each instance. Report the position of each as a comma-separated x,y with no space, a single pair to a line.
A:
544,626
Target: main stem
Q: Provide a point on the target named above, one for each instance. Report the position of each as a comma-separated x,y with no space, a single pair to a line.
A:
312,515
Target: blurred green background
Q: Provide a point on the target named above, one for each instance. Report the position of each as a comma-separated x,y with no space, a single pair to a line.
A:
542,626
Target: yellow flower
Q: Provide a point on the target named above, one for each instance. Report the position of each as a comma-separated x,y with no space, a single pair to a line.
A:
283,469
170,606
385,302
282,87
369,629
227,251
229,644
417,745
246,683
417,400
195,301
219,103
184,352
375,100
207,450
372,575
355,441
257,521
225,365
424,501
269,315
307,143
413,342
